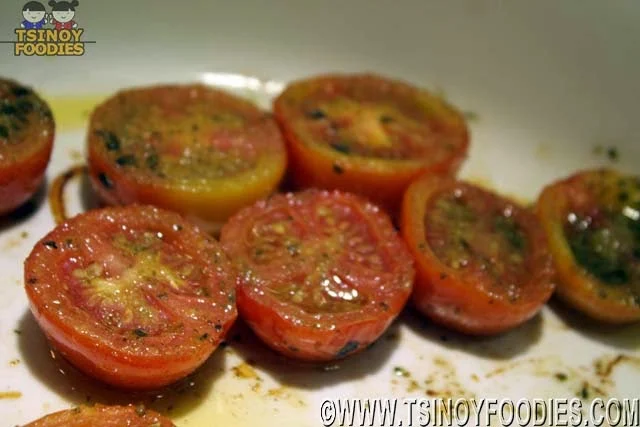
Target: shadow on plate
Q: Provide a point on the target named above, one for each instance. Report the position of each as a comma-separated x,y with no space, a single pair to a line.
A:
311,376
26,210
88,198
623,337
499,347
53,371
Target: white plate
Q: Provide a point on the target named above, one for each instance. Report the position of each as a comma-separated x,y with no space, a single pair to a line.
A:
547,82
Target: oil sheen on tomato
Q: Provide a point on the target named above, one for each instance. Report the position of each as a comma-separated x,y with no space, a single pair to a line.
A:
603,232
477,243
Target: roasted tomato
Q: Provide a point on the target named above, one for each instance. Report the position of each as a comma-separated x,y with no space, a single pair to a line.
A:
103,416
134,296
482,261
192,149
368,135
592,221
26,141
322,274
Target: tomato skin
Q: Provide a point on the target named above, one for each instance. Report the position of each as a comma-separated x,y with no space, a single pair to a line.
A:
576,286
209,204
107,352
298,332
22,167
445,296
103,416
381,180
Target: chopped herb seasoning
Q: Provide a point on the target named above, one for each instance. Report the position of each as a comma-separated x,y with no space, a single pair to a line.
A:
126,160
607,251
140,410
4,132
316,114
139,333
349,347
584,392
465,244
105,180
293,249
20,91
386,119
338,169
561,376
23,108
204,336
612,153
8,109
111,141
152,161
510,231
342,147
401,372
51,244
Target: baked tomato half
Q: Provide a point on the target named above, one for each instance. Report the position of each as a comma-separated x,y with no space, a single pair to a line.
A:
368,134
103,416
321,274
482,261
26,140
191,149
592,221
134,296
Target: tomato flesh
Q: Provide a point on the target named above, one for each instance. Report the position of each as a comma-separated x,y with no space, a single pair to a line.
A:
482,260
134,296
322,274
191,149
26,140
368,134
103,416
592,220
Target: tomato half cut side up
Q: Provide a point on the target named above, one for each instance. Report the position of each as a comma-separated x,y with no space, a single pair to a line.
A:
322,274
134,296
187,148
26,139
368,134
482,261
103,416
592,222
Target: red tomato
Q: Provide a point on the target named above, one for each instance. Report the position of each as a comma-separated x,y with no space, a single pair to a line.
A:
134,296
26,140
482,261
368,134
322,274
103,416
191,149
592,221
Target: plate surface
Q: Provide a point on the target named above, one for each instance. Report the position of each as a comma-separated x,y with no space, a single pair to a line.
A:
548,88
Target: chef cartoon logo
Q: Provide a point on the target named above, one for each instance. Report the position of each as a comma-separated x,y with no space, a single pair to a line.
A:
53,33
